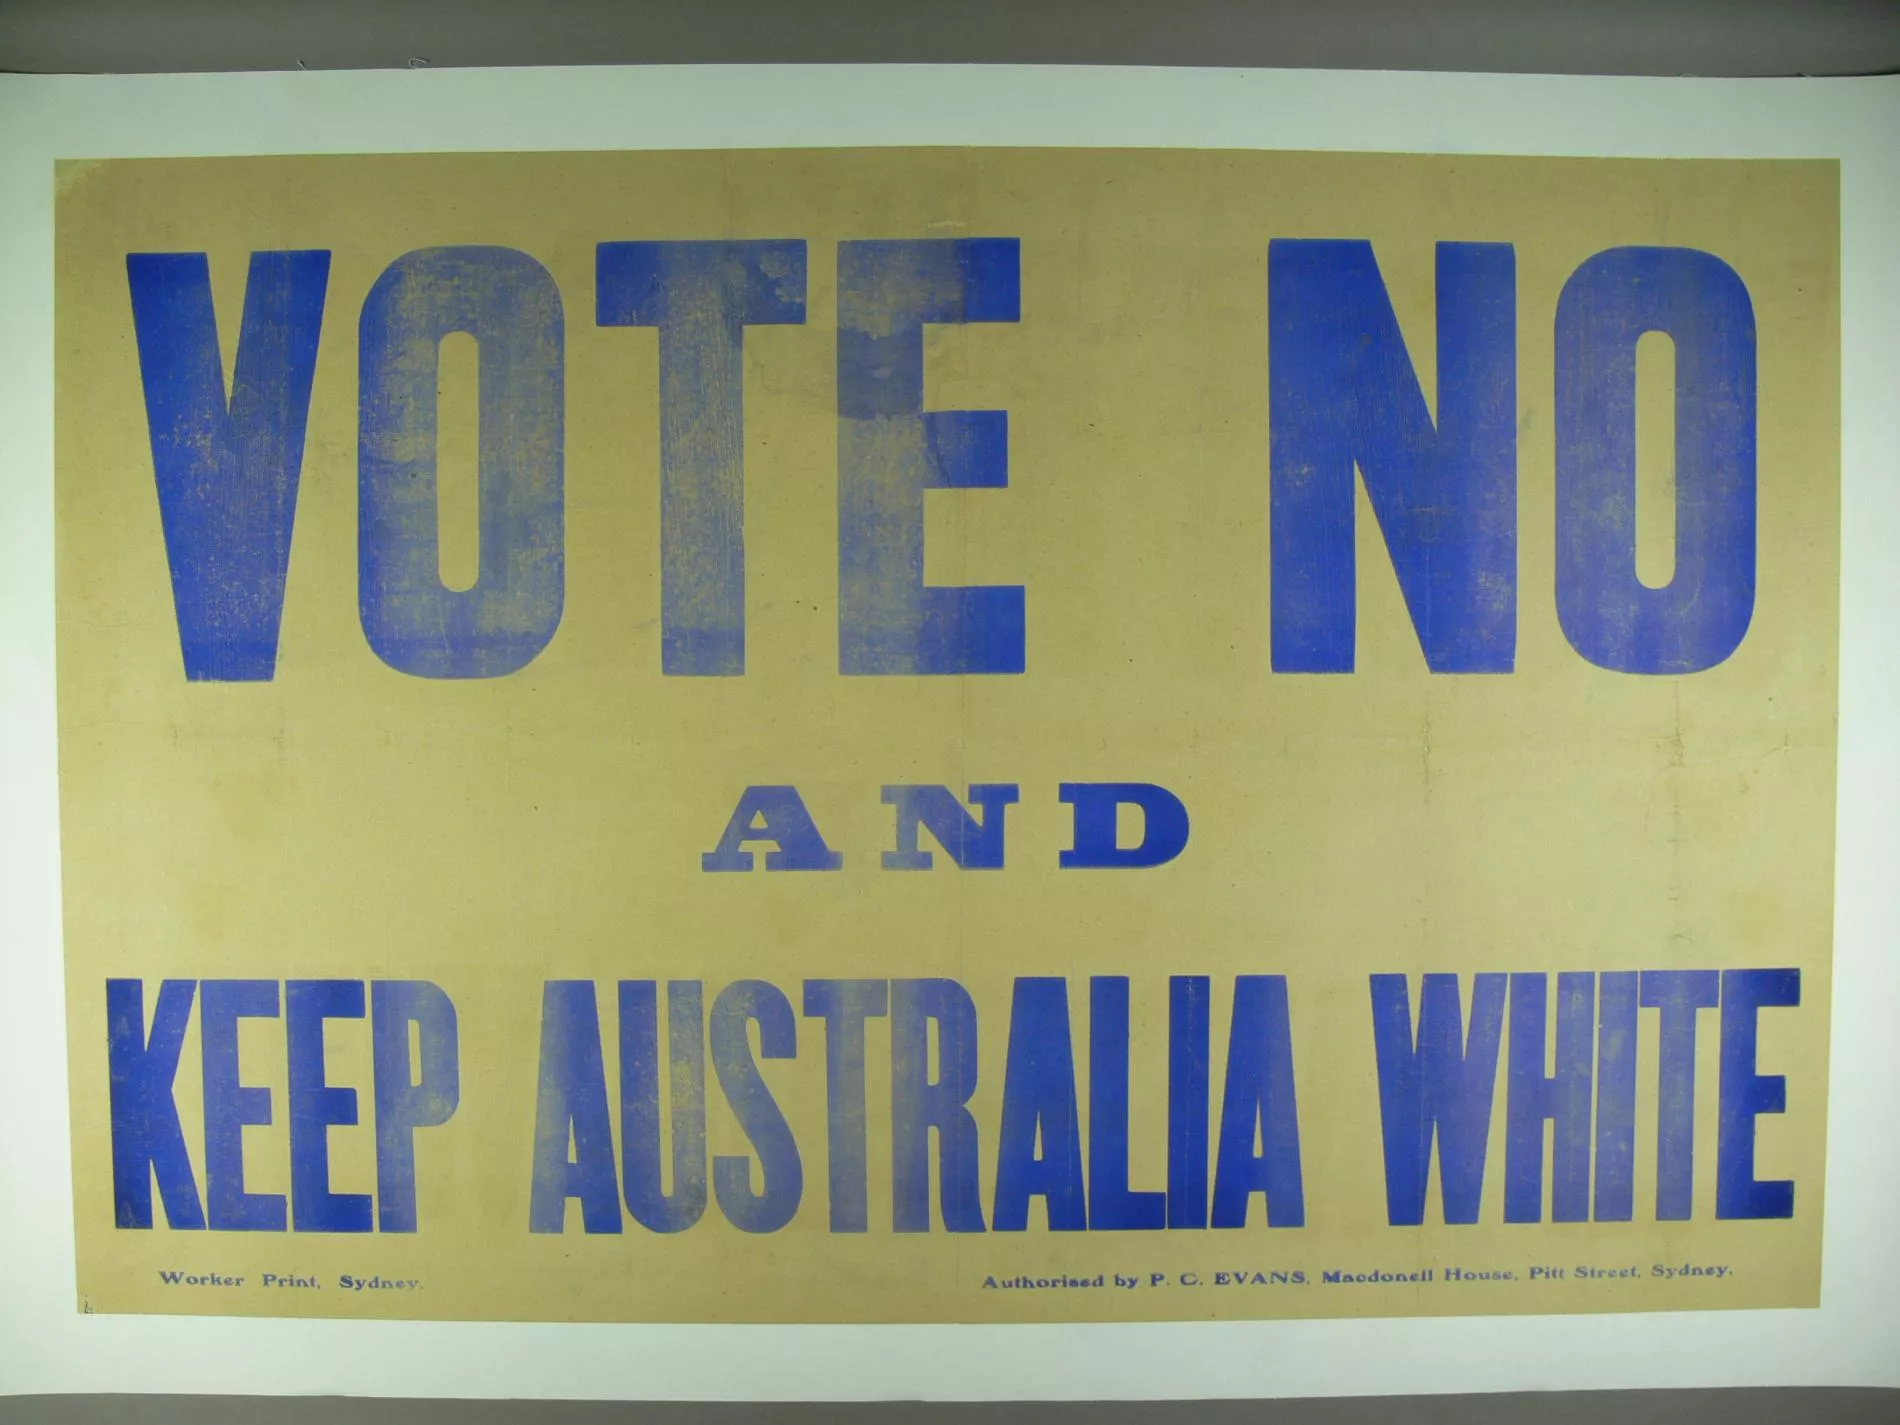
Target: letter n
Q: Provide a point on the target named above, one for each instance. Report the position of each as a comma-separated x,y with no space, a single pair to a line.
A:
1343,394
974,845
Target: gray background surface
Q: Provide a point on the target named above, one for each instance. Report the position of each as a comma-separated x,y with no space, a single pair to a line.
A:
1620,1407
1732,37
1705,37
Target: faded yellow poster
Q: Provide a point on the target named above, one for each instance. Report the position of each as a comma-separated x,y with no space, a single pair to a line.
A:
947,735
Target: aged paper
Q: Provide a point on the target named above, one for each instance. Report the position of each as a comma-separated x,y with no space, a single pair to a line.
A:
583,799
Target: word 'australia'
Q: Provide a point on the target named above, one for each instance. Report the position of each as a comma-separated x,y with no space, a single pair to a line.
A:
1038,1144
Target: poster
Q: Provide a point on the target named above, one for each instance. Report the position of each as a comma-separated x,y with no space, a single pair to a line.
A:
946,735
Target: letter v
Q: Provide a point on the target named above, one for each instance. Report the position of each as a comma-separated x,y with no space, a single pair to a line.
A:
227,470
